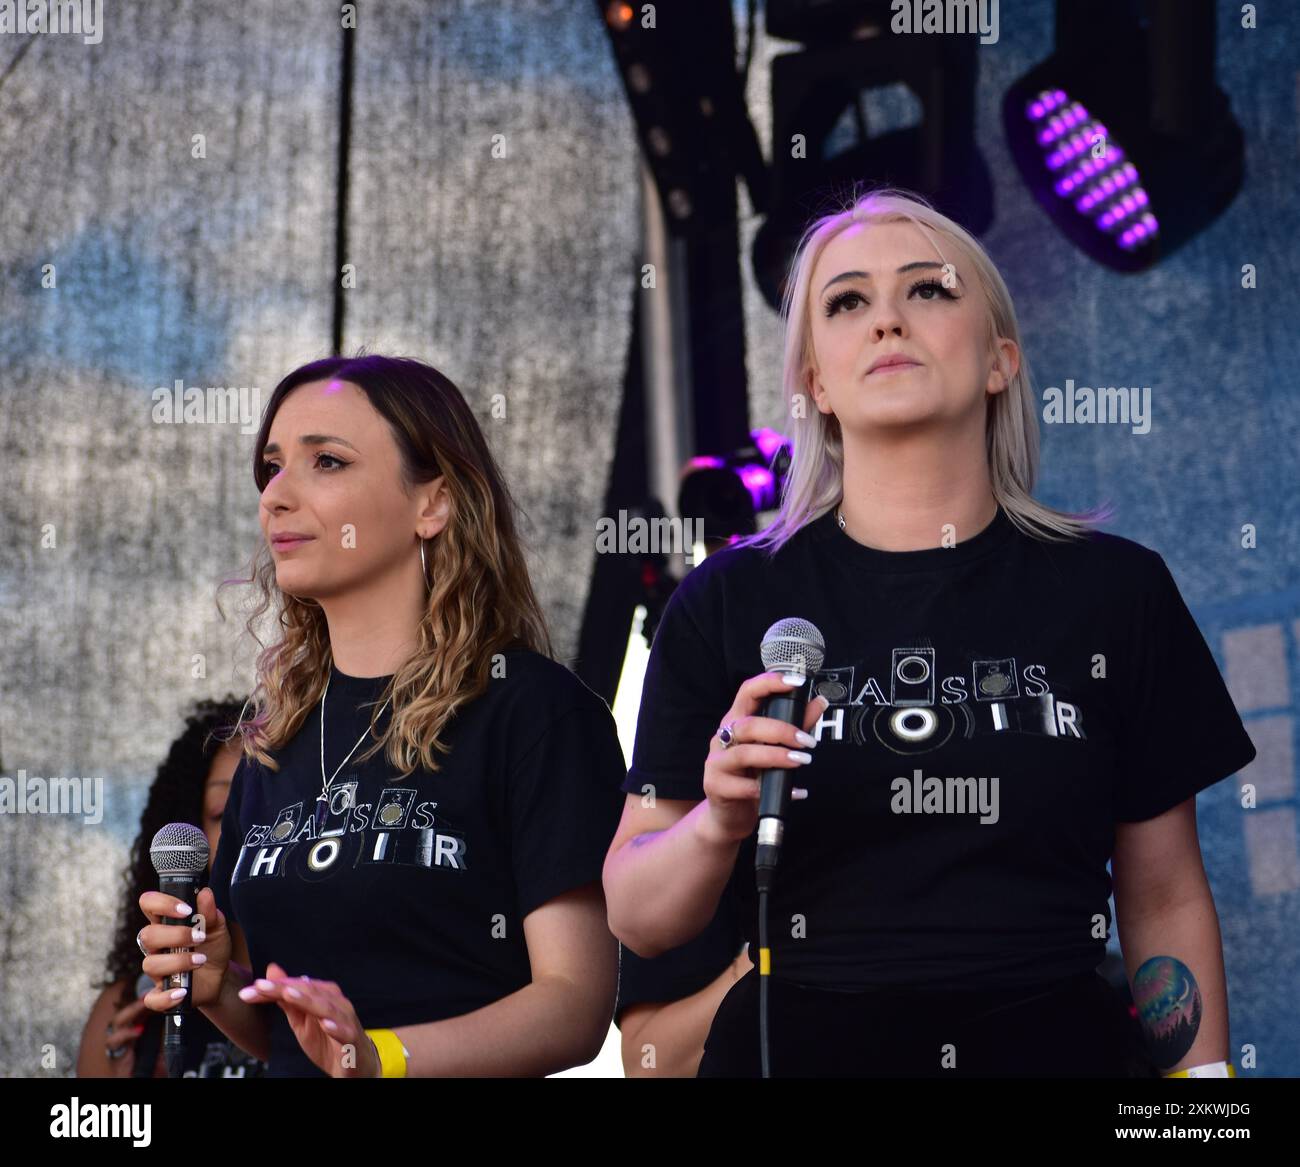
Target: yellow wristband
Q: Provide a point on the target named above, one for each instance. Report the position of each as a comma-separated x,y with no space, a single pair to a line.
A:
392,1053
1193,1071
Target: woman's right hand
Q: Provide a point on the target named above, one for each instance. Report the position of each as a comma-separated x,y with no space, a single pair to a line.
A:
731,775
208,960
124,1030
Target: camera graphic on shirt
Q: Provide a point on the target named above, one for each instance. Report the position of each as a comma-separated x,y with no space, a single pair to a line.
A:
394,809
911,677
836,685
995,680
282,829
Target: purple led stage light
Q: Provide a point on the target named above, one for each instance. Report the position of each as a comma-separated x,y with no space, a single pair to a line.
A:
1122,135
1107,190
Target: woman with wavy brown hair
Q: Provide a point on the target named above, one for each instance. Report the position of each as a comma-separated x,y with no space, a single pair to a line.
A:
429,904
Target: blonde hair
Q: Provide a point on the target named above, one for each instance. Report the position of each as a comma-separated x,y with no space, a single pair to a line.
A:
481,599
815,480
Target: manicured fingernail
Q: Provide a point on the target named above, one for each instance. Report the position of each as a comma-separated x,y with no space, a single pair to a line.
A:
199,935
198,958
264,984
804,739
799,792
183,910
330,1025
177,994
800,756
294,993
247,993
794,678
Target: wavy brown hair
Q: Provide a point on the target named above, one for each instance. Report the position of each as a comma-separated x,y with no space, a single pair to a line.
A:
481,600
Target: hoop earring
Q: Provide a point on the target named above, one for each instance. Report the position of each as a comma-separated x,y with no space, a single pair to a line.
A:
424,567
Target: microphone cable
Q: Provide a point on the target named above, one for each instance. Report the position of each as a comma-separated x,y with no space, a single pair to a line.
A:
764,968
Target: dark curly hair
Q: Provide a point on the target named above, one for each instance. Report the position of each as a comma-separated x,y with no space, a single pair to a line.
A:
175,796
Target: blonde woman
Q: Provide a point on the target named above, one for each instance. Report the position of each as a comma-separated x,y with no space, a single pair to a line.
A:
1009,699
412,844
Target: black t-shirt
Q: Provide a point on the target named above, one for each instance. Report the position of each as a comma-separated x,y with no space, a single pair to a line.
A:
208,1053
413,892
1072,673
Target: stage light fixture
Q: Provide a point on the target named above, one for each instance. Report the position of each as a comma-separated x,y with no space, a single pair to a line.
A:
1122,135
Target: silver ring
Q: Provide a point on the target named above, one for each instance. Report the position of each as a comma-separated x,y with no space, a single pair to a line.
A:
114,1054
140,943
726,735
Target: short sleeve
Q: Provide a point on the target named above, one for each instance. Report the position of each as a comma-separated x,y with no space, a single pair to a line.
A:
684,970
1179,730
684,694
228,846
564,805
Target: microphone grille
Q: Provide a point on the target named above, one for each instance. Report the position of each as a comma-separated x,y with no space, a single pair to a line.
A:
179,849
793,645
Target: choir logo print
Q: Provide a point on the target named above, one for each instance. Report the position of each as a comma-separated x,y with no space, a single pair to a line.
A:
916,712
315,840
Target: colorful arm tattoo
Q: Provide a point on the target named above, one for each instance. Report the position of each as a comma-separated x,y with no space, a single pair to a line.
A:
1168,1002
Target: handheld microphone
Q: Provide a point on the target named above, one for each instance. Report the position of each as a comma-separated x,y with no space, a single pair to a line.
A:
791,645
179,853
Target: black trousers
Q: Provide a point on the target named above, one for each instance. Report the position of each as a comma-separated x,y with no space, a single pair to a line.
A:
1075,1028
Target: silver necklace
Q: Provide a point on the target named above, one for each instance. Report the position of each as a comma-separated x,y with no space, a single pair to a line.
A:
326,783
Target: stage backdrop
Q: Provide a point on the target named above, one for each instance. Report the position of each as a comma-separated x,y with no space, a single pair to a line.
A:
170,214
181,180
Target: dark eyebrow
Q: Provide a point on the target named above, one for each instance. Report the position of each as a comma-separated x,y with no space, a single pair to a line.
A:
311,440
914,266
